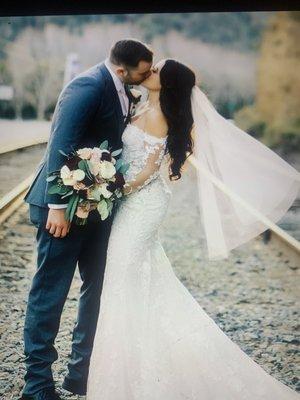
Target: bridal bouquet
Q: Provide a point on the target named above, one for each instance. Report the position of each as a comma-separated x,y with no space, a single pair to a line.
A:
92,178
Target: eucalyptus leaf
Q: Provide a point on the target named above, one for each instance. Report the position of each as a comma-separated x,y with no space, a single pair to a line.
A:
88,170
116,152
55,189
84,166
74,207
51,178
118,164
81,165
63,153
69,207
104,145
90,167
124,168
63,190
67,194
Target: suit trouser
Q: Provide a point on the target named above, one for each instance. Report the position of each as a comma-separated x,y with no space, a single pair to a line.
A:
56,264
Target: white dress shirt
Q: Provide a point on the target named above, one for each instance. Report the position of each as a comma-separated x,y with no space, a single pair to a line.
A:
119,85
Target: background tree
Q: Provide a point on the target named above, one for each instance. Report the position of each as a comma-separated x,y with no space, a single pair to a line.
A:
36,63
275,115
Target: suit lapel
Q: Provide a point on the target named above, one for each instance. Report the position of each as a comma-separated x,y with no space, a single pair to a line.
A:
115,97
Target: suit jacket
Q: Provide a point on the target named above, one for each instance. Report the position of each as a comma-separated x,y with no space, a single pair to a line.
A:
88,111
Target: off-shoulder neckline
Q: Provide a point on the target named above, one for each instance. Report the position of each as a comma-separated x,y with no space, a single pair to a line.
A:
162,139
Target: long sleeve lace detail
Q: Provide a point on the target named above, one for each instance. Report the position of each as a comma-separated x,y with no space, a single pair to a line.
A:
145,154
154,154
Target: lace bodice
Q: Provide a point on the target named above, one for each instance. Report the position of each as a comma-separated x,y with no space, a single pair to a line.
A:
144,153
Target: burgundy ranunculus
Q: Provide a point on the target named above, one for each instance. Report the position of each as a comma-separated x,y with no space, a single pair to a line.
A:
83,194
111,186
105,156
72,162
87,181
118,184
120,181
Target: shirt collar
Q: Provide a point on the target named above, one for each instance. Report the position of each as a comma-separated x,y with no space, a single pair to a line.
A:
117,81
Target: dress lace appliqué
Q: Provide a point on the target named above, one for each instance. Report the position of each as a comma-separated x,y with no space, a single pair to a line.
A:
144,153
153,340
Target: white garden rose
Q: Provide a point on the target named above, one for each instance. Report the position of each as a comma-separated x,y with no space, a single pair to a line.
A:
96,154
85,153
107,169
67,176
65,172
69,181
94,166
103,190
78,174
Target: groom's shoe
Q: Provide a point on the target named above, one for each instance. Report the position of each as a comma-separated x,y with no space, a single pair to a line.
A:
74,387
45,394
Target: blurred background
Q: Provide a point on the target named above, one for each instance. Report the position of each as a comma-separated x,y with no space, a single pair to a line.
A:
248,62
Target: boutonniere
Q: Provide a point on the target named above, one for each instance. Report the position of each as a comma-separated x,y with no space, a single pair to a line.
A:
136,95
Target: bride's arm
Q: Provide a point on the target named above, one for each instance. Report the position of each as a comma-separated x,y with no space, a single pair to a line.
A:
154,154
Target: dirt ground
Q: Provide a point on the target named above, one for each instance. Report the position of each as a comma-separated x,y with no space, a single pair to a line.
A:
252,296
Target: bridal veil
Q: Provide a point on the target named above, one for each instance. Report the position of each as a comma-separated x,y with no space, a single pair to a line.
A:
256,182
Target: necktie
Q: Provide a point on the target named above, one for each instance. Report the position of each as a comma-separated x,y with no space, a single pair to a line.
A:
124,101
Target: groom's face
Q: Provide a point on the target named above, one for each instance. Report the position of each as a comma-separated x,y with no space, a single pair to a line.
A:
135,76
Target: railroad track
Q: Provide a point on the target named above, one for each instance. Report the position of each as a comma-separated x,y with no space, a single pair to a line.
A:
252,296
26,156
11,201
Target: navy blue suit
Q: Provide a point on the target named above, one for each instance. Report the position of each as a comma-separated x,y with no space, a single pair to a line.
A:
88,111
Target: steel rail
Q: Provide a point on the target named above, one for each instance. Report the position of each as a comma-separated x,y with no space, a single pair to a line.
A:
14,199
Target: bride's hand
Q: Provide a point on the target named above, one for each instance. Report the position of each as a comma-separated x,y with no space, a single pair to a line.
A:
127,189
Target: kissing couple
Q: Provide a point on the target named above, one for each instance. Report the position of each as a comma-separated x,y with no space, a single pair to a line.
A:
139,333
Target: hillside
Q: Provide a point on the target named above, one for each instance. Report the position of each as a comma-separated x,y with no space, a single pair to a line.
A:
238,30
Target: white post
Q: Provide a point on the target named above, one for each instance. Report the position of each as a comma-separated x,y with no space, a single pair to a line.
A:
72,67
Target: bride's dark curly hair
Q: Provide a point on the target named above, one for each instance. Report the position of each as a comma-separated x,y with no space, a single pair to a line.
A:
177,81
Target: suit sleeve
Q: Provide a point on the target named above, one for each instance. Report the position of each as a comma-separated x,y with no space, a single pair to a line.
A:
74,110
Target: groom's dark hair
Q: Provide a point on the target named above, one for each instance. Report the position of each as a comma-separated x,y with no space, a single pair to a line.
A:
130,52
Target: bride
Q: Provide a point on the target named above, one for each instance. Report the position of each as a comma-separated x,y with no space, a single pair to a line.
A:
153,340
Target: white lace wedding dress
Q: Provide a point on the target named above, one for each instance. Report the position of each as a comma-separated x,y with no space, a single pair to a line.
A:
153,340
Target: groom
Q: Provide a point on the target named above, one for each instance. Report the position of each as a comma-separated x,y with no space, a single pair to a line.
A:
93,107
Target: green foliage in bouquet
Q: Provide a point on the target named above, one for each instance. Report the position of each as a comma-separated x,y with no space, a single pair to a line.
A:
91,179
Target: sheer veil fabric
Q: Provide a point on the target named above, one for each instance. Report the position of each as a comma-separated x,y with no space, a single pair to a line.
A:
249,169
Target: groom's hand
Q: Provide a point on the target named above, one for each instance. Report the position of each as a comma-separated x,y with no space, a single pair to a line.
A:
57,224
